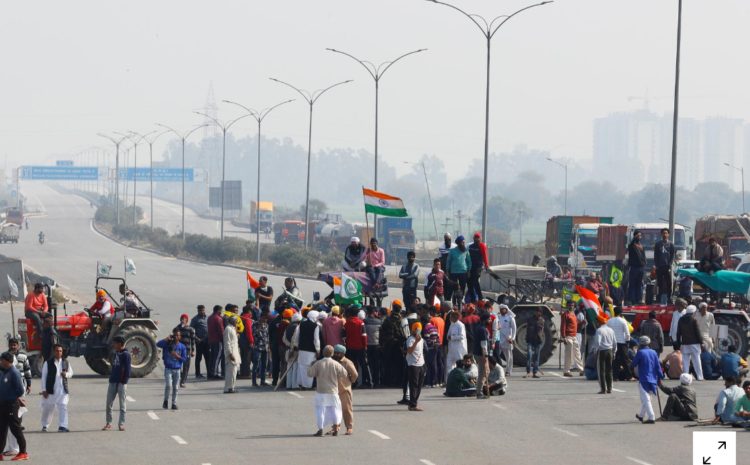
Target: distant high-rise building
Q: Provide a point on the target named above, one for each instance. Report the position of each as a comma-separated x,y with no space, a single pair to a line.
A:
690,149
724,143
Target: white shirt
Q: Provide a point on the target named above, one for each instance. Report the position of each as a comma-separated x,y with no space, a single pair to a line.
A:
415,359
59,395
507,327
673,328
620,326
457,340
705,323
443,250
106,309
316,337
605,339
473,372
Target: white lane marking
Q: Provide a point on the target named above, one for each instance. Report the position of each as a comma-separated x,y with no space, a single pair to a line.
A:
502,407
426,462
179,440
566,432
295,395
74,204
152,415
129,399
379,434
556,374
37,199
637,461
617,390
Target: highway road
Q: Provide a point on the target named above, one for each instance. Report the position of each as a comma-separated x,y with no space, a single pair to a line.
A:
550,420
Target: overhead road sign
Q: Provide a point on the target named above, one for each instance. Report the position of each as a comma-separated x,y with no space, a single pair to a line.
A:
64,163
160,174
59,173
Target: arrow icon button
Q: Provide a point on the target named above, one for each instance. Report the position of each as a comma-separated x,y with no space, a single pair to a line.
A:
722,444
706,461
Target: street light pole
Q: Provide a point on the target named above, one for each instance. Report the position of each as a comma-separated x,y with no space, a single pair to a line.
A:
742,173
135,168
673,184
117,171
259,117
566,182
310,99
151,164
488,31
376,74
427,183
182,138
224,128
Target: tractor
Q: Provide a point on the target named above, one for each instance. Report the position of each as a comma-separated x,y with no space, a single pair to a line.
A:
83,334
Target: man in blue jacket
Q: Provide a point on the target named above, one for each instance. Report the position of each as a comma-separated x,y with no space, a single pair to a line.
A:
649,377
11,398
118,381
174,355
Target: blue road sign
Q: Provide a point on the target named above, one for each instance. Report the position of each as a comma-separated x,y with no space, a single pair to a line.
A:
13,193
64,162
60,173
160,174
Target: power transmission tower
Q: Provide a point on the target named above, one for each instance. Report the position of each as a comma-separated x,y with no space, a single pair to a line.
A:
460,216
446,224
522,213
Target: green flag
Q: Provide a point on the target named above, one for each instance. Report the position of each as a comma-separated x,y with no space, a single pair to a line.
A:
568,296
615,277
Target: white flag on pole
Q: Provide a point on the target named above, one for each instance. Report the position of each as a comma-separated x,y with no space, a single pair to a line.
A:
13,287
102,269
129,266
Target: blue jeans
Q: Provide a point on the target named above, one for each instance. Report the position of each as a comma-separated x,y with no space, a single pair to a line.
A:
171,383
376,275
532,353
259,365
635,284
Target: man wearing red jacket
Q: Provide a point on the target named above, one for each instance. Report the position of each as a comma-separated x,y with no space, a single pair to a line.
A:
478,253
355,338
216,343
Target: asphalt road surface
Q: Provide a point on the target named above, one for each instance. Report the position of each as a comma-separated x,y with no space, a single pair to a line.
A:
552,419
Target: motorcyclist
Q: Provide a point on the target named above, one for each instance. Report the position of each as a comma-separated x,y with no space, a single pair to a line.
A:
41,237
536,260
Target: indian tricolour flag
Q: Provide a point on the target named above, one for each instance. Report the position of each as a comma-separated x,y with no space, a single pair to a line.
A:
252,285
591,303
383,204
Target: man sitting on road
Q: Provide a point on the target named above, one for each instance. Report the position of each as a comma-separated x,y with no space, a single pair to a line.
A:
35,306
458,385
742,408
353,256
733,365
672,363
711,370
496,377
727,400
470,369
682,401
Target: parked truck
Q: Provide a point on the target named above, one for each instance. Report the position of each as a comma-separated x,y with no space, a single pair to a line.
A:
337,236
289,232
727,232
266,215
396,237
14,215
560,230
10,233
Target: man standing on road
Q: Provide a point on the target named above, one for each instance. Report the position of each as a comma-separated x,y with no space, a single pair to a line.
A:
443,252
569,330
457,346
507,322
21,363
231,355
705,321
372,327
50,337
409,275
534,336
415,361
679,311
261,343
682,401
215,325
35,306
345,387
663,260
264,294
332,327
118,382
187,335
458,265
246,343
327,402
356,345
622,335
479,261
55,375
636,263
202,350
174,355
11,399
433,287
690,341
481,351
605,346
650,374
307,339
653,330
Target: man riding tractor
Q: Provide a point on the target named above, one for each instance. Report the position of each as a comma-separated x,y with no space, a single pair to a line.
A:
104,309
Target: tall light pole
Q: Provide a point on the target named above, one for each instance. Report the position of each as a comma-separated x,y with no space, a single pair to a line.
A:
224,128
310,99
376,73
117,143
742,173
182,137
427,183
135,167
151,165
488,31
566,182
673,182
259,117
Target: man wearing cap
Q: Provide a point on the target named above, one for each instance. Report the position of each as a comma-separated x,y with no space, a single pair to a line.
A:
650,376
374,259
605,346
682,400
353,256
188,340
481,351
415,362
11,399
231,354
326,401
458,265
345,387
332,327
705,321
507,322
690,340
478,252
569,329
103,308
36,306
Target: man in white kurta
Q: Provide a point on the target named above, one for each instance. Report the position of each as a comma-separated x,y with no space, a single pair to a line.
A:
507,322
327,402
307,339
456,343
55,374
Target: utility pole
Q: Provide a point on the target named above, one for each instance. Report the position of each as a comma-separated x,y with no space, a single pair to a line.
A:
521,212
446,224
469,220
460,216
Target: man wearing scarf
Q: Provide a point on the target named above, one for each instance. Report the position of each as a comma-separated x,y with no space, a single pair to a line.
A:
345,387
307,340
327,402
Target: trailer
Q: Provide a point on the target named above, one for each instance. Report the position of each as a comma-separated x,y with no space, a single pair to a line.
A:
559,232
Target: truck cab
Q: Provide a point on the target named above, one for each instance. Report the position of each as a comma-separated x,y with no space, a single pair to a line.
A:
583,245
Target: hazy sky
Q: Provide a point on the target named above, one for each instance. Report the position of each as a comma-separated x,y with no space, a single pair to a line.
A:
72,69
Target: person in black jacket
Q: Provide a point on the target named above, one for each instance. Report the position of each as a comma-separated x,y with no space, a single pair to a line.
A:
118,382
663,260
50,337
636,263
690,340
200,324
187,333
534,335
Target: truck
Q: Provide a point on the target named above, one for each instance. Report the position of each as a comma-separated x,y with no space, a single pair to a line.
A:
266,215
651,233
583,245
14,215
289,232
396,237
728,234
10,232
335,236
559,231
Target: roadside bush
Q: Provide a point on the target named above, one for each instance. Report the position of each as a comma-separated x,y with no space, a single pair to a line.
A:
332,260
295,259
105,214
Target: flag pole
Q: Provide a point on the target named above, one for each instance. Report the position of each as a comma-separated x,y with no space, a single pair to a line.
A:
367,221
12,314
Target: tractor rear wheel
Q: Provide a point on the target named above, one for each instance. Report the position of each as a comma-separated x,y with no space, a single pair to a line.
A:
99,366
549,338
141,344
737,335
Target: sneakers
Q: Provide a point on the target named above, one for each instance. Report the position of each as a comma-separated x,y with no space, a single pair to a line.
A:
21,456
568,375
481,396
44,429
63,430
165,405
174,407
403,402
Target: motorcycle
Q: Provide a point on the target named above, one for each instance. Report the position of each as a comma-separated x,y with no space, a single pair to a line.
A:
41,240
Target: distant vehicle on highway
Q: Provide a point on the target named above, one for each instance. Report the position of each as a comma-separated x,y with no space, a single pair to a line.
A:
289,232
14,215
10,232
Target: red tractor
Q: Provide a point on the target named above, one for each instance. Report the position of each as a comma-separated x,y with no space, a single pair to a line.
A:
83,334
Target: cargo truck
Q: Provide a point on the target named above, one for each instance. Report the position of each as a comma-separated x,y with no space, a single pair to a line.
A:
560,232
727,232
266,215
396,237
14,215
